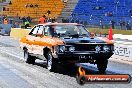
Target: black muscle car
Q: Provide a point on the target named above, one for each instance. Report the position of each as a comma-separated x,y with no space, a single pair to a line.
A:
66,42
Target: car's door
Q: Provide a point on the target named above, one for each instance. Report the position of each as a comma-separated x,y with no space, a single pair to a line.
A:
37,46
30,39
34,39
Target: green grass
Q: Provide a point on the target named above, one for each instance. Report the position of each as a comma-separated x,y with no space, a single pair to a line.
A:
115,31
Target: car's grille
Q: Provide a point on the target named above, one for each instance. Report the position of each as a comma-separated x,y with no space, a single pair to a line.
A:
86,47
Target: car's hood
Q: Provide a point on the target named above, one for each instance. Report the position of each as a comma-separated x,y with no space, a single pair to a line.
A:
97,40
52,41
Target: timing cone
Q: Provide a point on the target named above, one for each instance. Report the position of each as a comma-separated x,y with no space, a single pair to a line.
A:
110,36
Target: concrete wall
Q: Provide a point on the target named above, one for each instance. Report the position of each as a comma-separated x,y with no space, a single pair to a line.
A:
123,52
18,33
123,47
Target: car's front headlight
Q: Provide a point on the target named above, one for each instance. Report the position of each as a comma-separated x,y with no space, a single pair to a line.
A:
71,49
106,48
62,48
98,48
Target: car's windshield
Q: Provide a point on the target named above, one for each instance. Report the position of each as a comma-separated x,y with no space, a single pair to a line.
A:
70,30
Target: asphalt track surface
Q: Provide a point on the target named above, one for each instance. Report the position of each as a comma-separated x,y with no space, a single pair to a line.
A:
15,73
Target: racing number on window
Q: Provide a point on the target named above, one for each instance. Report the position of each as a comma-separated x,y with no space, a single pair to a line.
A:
40,30
34,30
37,30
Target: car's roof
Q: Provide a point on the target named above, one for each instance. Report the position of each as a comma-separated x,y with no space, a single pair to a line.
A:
60,24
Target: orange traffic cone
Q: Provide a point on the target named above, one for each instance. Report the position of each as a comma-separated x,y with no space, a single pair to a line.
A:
110,36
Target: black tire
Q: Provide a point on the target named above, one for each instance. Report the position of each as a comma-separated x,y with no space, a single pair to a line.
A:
102,65
28,58
51,62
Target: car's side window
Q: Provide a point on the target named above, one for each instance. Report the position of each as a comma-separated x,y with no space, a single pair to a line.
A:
37,30
46,31
40,30
34,30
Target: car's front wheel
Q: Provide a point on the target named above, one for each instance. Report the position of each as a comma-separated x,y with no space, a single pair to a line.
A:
51,62
28,58
102,65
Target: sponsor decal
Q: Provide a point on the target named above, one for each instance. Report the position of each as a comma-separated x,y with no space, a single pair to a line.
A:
122,51
82,78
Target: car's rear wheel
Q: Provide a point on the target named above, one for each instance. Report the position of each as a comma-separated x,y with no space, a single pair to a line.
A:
102,65
51,62
28,58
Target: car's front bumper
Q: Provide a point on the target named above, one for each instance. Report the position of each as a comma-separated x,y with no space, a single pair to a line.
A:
84,56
